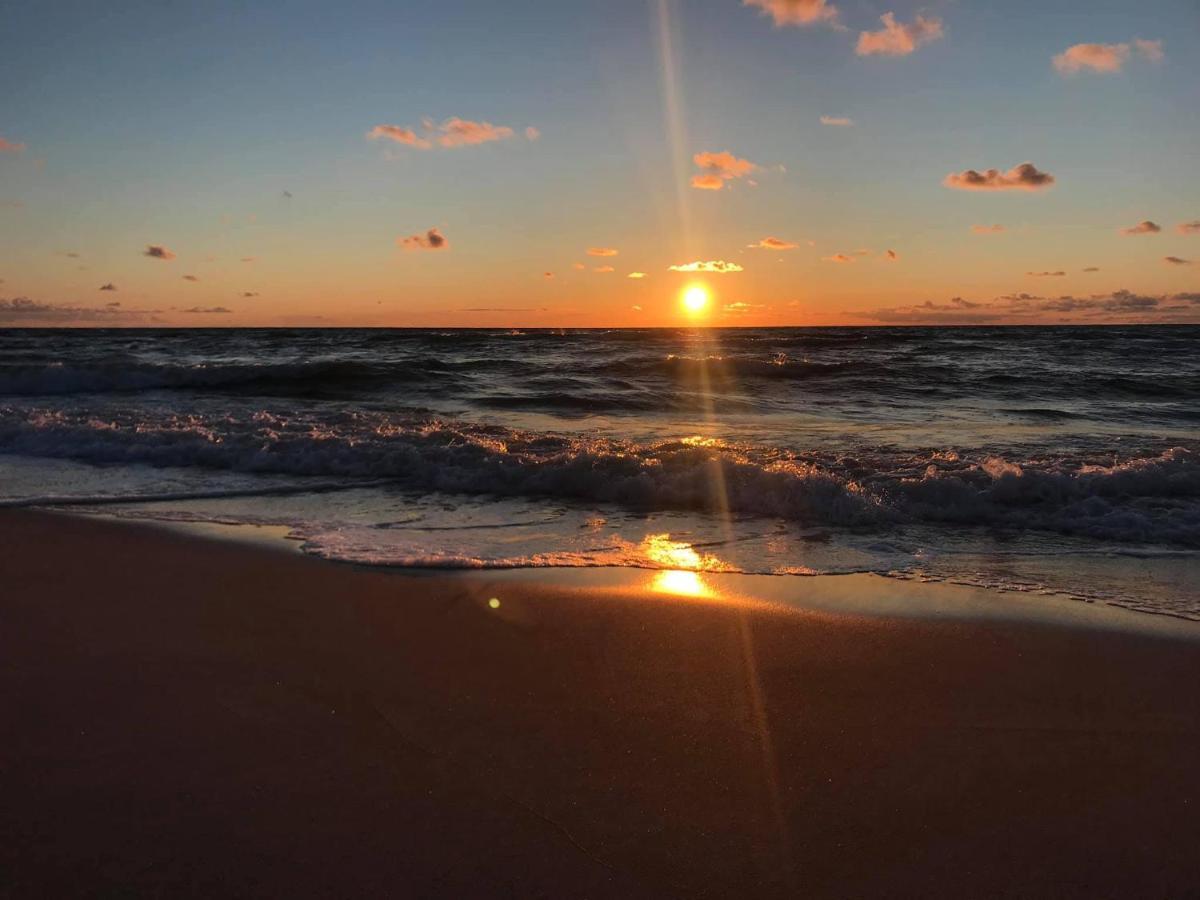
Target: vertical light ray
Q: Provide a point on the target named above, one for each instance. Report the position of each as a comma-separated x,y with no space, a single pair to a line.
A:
666,21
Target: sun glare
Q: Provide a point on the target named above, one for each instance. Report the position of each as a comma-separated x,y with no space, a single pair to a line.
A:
695,299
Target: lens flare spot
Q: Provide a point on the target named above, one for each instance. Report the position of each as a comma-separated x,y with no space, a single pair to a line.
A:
494,603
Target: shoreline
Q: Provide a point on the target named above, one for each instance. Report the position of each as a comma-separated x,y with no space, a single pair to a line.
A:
207,716
892,596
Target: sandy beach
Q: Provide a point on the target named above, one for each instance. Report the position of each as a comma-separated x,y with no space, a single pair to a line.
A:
195,717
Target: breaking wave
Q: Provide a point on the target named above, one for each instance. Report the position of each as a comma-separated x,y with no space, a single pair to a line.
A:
1138,499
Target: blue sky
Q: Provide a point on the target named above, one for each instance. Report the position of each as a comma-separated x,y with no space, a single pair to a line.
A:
183,124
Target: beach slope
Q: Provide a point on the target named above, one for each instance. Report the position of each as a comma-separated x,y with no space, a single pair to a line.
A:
191,717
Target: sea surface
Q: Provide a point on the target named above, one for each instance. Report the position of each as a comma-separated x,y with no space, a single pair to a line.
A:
1058,460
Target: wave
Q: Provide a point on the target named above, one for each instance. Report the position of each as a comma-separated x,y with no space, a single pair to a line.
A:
1142,499
127,377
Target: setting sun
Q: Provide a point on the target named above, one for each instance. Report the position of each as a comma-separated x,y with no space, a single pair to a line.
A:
695,299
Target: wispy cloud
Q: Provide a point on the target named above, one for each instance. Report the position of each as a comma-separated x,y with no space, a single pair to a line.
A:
1177,261
7,146
1058,274
207,310
891,256
604,270
838,121
1151,50
602,251
1144,227
453,132
1024,177
108,287
715,266
1188,227
741,308
636,275
841,258
796,12
430,240
157,251
1092,269
190,278
987,229
400,135
772,243
898,39
1106,58
719,168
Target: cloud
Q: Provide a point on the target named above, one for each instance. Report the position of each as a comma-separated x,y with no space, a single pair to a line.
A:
891,256
453,132
1177,261
839,121
896,39
740,309
156,251
1150,50
10,147
531,133
578,267
1188,227
796,12
190,278
1045,274
1092,269
207,310
430,240
547,274
602,251
249,293
400,135
249,259
1024,177
772,243
23,310
636,308
715,266
1106,58
636,275
603,269
718,168
838,258
987,229
1145,227
1095,57
108,287
1121,305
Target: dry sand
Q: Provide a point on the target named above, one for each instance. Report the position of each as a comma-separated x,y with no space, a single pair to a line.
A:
190,717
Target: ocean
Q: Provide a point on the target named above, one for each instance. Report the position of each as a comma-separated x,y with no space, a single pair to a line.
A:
1061,461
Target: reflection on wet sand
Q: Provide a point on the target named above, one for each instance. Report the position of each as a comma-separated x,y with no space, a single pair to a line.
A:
682,563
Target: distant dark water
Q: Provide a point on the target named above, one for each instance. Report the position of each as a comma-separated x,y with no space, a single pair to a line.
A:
1068,433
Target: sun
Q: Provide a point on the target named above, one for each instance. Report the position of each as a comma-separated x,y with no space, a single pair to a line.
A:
695,299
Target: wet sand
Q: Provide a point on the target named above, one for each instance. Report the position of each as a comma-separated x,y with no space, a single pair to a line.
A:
194,717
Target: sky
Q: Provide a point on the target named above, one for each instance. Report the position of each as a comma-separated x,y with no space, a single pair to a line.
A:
575,164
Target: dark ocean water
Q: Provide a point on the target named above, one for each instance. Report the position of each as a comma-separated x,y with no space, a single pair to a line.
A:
1063,459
